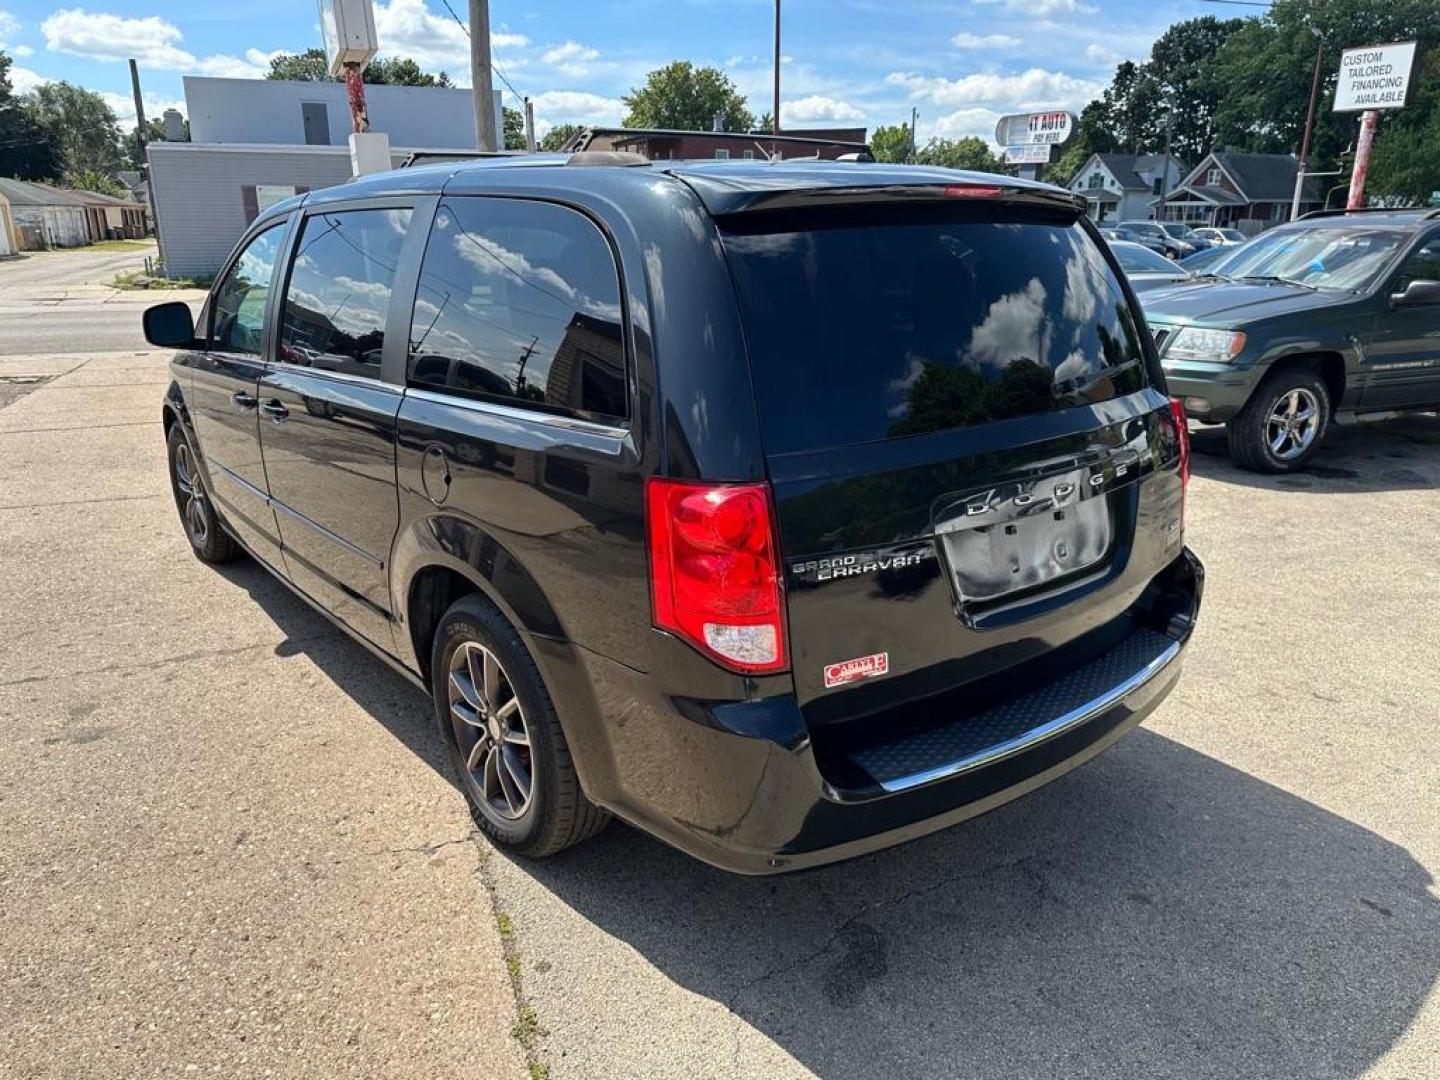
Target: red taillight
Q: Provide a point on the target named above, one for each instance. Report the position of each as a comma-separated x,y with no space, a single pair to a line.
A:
973,191
1182,432
714,573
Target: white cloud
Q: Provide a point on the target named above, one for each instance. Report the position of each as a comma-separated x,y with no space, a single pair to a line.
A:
817,107
575,107
20,50
571,58
987,41
9,26
23,80
408,28
1101,54
151,40
123,106
1033,88
1050,7
963,122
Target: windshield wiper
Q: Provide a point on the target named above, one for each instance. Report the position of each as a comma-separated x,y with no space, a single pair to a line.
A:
1281,280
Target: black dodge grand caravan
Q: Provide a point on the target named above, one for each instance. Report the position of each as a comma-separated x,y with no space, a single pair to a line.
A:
787,511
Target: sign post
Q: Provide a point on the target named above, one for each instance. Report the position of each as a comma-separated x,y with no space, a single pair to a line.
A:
348,27
1372,77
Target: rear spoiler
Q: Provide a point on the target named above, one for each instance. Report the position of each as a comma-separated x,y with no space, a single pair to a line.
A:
723,195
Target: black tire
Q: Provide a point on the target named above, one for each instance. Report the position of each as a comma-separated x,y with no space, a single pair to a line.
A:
557,814
208,538
1251,434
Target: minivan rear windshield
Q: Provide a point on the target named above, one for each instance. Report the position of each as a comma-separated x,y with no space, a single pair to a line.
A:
866,324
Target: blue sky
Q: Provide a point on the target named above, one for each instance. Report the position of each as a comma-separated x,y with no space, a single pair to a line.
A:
847,62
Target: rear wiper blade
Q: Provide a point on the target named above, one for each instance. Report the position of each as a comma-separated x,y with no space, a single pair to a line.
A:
1281,280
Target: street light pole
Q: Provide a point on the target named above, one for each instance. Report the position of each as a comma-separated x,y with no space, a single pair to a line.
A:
1309,127
480,80
775,106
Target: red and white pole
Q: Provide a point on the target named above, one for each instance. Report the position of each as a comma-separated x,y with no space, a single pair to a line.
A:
1368,123
355,90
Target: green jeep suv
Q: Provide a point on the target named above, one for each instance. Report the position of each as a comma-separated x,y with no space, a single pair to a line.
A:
1335,317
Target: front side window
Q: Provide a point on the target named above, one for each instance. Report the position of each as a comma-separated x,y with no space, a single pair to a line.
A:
339,292
1423,264
239,325
519,303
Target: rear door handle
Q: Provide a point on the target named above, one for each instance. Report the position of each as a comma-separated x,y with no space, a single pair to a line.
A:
274,410
243,400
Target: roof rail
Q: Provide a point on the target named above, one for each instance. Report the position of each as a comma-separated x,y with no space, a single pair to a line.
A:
622,159
1337,212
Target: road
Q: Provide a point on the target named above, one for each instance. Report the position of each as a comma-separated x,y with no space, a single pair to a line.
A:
230,844
61,301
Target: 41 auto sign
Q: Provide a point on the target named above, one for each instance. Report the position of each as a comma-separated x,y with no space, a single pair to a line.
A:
1034,129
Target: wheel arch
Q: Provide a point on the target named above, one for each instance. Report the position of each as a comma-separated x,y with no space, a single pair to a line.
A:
1329,363
445,556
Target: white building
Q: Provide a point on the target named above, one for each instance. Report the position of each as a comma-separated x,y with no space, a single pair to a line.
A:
1124,187
258,141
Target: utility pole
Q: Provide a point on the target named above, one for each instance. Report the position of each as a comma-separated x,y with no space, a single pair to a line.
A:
529,126
914,120
480,75
1165,169
142,162
1309,127
775,107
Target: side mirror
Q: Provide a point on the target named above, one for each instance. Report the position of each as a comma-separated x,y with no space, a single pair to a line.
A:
1417,294
170,326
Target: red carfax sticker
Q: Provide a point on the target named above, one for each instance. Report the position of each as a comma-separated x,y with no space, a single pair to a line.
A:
862,667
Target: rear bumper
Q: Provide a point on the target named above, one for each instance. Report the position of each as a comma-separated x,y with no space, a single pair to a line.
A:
736,783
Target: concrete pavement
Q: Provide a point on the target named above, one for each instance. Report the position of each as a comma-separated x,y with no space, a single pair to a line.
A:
61,301
229,844
228,848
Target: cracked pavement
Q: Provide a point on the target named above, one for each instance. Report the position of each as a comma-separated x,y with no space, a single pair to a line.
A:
229,843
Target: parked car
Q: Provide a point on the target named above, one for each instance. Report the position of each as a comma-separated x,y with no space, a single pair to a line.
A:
784,512
1184,234
1333,318
1221,236
1167,245
1114,233
1146,269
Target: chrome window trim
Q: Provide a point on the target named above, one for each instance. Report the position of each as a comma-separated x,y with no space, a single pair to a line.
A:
510,412
1076,716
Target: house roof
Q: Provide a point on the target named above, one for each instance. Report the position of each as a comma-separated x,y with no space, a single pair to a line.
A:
97,198
24,193
1126,168
1264,177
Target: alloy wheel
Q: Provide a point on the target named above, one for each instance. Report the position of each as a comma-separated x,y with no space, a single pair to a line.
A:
490,731
1293,423
190,494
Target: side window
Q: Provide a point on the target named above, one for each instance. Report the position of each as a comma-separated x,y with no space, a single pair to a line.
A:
1422,264
519,303
339,291
239,325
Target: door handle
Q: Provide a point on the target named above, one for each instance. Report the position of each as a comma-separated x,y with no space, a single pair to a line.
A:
274,410
243,400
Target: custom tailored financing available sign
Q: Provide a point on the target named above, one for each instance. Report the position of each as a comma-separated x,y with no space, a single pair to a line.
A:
1374,77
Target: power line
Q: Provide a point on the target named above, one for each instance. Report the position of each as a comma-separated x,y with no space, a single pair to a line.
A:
493,65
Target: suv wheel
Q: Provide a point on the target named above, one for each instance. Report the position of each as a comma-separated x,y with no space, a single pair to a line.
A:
503,737
210,542
1282,424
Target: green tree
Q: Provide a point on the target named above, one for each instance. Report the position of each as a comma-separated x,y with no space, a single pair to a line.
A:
967,153
310,66
1405,165
559,135
892,143
686,98
94,180
24,151
514,133
80,128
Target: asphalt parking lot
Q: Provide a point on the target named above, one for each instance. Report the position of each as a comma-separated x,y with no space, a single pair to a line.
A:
230,847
